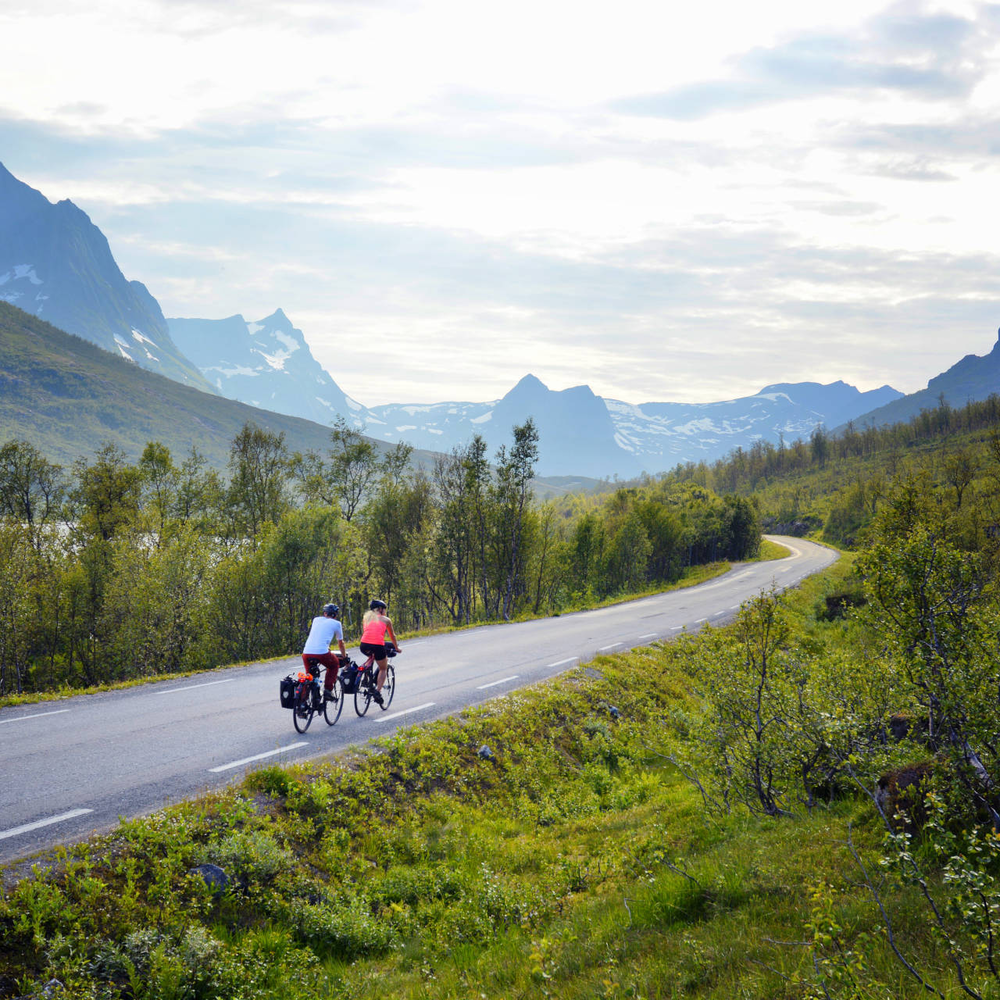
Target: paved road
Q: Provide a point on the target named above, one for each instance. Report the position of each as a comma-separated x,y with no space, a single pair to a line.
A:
72,767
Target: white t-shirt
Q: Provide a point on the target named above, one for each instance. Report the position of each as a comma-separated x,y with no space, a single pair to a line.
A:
324,630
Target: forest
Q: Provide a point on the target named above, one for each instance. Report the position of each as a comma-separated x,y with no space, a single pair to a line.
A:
113,570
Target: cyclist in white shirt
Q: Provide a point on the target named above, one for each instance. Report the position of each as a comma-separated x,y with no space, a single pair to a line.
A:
325,628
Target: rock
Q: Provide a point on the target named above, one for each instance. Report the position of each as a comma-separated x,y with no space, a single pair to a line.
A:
214,877
900,793
613,712
486,753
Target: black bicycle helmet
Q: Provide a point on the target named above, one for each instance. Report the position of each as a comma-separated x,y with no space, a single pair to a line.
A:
331,610
377,606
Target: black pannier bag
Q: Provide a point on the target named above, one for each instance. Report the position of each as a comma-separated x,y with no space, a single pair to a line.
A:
288,692
349,677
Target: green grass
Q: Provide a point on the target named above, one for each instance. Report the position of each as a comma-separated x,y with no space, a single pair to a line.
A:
577,863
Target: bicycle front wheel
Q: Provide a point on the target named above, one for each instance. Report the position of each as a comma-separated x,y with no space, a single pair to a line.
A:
363,692
302,714
334,703
388,687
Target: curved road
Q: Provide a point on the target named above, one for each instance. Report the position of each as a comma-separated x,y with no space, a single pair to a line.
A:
73,766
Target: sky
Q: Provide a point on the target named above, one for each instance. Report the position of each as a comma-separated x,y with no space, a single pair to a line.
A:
664,201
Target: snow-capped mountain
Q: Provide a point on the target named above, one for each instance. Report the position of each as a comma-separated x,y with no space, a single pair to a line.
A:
661,435
266,364
584,434
269,364
55,263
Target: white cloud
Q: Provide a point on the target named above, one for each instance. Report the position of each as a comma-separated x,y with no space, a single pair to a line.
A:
664,202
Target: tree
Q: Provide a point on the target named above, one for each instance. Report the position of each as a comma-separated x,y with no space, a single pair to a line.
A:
348,473
258,466
31,487
513,489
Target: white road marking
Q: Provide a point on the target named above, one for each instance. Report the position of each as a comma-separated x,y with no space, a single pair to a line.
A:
562,663
191,687
649,635
37,715
406,711
700,620
733,607
614,645
258,756
28,827
676,628
483,687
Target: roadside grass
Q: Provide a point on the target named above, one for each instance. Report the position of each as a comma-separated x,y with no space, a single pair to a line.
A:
571,860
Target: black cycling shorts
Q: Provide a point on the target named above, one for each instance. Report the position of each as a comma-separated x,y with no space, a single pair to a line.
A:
376,649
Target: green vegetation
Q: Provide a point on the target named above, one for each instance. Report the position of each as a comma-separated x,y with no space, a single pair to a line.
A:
834,482
658,826
117,570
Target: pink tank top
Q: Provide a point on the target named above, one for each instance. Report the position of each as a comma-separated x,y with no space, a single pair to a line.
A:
374,632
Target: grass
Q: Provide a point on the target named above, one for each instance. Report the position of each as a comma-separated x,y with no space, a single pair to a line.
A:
575,863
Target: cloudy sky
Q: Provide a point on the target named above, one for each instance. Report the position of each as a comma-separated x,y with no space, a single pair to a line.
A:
665,201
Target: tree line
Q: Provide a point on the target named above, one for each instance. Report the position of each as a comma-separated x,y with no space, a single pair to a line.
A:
115,569
744,470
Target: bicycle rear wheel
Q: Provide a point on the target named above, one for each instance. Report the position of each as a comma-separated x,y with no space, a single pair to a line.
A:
302,713
334,705
363,692
388,687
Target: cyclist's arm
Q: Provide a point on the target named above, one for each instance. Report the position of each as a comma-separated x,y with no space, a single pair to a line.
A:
343,648
392,635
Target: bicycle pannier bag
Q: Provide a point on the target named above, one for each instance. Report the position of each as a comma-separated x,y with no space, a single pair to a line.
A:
349,677
287,692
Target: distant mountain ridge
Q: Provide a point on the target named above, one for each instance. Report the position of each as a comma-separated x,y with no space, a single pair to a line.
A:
580,433
969,380
55,263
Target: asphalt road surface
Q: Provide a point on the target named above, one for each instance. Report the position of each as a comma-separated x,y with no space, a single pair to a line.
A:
72,767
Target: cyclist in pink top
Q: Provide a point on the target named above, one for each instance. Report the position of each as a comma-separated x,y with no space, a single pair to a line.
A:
375,627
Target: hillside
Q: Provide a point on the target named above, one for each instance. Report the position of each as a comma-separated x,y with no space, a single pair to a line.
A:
67,396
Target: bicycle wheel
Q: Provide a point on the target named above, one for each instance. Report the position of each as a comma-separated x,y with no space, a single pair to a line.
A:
334,705
302,714
363,692
388,687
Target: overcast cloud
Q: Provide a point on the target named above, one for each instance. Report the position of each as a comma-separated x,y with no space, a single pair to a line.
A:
664,201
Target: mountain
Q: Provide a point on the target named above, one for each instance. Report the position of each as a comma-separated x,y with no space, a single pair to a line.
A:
969,380
589,435
268,363
55,263
661,435
67,396
265,364
576,434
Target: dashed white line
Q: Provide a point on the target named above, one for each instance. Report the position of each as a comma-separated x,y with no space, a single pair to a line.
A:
406,711
649,635
191,687
28,827
700,620
614,645
257,756
492,684
36,715
562,663
676,628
